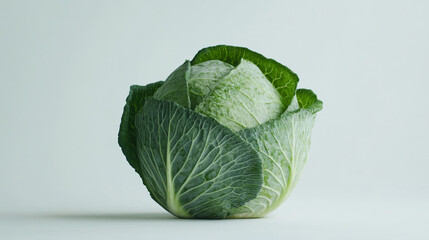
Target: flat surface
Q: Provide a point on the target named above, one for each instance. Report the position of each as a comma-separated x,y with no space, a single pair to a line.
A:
66,68
329,219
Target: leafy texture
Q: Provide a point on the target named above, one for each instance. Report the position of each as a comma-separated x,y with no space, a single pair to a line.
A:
175,87
242,99
127,131
204,77
308,100
283,145
282,78
225,136
192,165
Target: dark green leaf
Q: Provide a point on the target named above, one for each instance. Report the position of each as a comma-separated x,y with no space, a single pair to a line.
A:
192,165
175,87
283,79
308,99
127,131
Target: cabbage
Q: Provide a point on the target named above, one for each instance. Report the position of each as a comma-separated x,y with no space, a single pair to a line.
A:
226,135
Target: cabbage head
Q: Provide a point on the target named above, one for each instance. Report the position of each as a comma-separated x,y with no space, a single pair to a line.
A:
226,135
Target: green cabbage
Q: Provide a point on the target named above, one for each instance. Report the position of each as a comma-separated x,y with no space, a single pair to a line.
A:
226,135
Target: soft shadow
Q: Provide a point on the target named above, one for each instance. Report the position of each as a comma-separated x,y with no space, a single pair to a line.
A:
112,216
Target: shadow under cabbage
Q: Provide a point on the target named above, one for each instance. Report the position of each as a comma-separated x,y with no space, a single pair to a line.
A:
111,216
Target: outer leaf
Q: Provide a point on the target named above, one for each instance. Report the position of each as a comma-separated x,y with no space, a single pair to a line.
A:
127,131
192,165
283,145
175,87
307,99
283,79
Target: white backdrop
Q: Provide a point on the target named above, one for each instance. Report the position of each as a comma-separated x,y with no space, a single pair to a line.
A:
66,68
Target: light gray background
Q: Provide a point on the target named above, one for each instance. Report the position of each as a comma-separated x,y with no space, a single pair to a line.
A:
66,68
